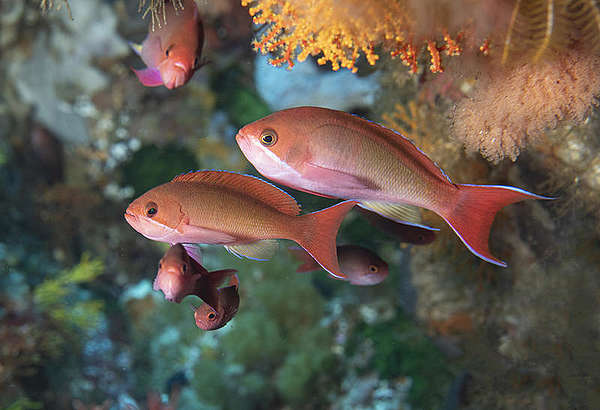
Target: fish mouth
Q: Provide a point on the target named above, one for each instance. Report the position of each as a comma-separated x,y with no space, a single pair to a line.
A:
242,141
130,218
180,65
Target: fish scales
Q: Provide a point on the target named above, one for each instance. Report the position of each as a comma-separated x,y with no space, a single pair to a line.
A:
237,214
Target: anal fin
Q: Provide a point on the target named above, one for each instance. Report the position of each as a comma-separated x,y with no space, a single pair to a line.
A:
401,213
259,250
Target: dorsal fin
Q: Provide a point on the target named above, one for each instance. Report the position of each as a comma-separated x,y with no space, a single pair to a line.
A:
257,188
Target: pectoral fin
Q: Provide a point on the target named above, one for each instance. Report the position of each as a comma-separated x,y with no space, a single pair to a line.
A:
194,251
137,48
259,250
340,178
402,213
150,77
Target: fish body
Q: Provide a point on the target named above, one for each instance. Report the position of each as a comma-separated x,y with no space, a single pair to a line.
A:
172,51
243,213
361,266
180,275
209,318
336,154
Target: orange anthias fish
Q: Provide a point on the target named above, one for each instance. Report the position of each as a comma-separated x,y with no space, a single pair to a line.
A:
172,51
335,154
180,275
244,213
228,302
360,265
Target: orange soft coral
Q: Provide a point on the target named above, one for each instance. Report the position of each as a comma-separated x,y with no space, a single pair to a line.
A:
512,106
340,31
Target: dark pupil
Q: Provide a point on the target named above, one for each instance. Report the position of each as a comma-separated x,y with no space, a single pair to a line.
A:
167,52
211,315
268,138
373,268
184,267
152,211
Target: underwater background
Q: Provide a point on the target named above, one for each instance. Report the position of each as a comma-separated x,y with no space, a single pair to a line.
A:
494,91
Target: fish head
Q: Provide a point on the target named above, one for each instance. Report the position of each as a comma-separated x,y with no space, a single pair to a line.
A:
276,146
363,266
175,277
208,318
157,215
178,66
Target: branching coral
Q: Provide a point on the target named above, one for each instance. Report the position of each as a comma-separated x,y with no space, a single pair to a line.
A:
513,105
338,32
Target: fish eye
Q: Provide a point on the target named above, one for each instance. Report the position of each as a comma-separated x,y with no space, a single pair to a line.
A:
211,316
151,209
184,267
168,50
373,269
159,265
268,138
196,62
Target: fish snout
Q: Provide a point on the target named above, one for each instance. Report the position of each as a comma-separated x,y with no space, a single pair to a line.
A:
242,141
130,218
178,75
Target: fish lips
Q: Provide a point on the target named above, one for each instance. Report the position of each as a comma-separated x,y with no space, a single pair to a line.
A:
177,76
144,225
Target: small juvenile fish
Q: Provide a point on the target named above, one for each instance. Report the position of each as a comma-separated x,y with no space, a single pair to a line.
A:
402,232
339,155
244,213
172,51
360,265
179,275
228,301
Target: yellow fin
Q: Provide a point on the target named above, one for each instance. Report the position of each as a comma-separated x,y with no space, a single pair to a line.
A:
260,250
254,187
397,212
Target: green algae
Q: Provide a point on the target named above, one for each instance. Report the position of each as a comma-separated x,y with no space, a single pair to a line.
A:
402,350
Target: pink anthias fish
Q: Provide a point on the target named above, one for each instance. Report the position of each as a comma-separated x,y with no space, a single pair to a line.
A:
335,154
361,266
208,317
245,214
180,275
172,51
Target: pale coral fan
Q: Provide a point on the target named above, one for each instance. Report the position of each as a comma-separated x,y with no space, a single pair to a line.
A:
512,106
339,31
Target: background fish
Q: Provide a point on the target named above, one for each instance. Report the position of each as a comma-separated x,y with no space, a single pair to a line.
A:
208,317
172,50
244,213
337,154
360,265
179,275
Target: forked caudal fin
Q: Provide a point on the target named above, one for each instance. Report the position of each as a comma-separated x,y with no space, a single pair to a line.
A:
474,213
318,237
